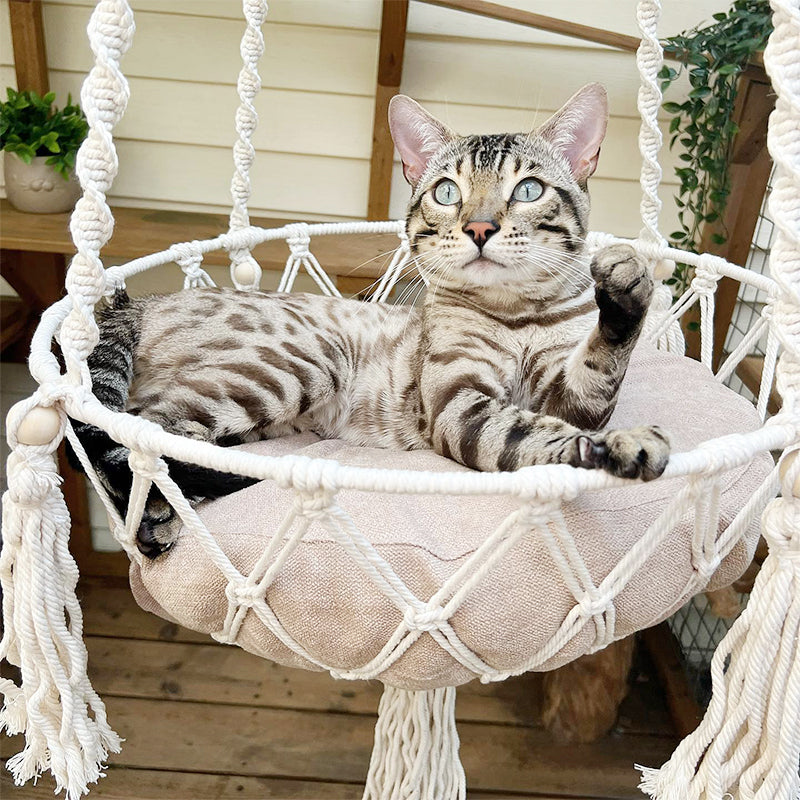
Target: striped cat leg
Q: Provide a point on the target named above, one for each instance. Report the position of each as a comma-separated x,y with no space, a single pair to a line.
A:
584,392
483,431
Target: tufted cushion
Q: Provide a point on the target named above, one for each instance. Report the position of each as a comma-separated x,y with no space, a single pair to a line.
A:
328,604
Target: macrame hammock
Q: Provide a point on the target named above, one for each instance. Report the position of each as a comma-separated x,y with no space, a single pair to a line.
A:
453,600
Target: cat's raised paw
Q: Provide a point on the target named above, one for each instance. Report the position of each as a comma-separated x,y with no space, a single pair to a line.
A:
623,291
636,453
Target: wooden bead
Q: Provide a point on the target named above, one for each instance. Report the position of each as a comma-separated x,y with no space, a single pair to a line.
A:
663,269
39,426
244,273
785,466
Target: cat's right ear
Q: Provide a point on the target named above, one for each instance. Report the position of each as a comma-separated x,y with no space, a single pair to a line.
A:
417,135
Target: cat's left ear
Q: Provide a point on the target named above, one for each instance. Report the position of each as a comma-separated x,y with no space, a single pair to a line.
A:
417,135
578,128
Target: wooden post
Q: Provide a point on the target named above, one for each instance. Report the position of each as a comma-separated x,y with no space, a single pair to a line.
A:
683,708
750,166
390,73
27,36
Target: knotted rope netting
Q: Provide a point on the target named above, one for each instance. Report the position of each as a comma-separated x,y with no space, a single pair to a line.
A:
747,746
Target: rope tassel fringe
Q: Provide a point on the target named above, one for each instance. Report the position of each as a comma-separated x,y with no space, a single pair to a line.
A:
415,756
748,744
63,719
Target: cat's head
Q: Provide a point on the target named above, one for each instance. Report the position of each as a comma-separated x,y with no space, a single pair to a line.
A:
508,212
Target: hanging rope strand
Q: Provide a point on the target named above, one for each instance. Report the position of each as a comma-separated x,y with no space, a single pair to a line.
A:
245,271
63,719
649,59
749,739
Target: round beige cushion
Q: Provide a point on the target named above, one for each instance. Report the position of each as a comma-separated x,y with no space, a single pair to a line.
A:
328,604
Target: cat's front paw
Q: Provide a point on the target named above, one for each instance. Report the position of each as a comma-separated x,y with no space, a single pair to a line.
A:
636,453
623,292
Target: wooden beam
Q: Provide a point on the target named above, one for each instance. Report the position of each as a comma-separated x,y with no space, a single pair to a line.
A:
27,36
390,73
551,24
749,371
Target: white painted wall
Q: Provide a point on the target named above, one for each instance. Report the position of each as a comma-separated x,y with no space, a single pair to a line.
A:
316,109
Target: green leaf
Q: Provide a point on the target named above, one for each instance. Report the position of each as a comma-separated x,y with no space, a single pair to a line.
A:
672,108
51,142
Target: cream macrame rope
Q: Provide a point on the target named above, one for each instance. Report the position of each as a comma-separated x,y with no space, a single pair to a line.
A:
245,270
419,727
649,59
748,745
300,256
63,719
416,753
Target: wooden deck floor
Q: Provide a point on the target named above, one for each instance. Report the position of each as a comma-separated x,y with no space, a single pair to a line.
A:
202,720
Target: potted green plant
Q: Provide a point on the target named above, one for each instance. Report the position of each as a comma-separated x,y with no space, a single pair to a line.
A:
40,143
714,57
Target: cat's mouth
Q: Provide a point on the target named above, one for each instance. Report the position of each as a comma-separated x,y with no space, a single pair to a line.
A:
482,263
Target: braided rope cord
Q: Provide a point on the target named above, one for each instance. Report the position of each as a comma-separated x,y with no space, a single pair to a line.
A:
317,482
649,58
245,271
748,745
63,718
104,97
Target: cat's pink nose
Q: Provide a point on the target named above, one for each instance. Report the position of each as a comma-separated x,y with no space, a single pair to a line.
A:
479,232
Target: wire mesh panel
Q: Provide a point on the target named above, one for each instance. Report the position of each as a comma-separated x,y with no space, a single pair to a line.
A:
698,631
750,301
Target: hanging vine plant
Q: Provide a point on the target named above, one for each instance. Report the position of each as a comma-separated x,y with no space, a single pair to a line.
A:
714,57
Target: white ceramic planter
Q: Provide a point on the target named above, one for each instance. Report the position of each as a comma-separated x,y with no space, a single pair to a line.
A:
37,188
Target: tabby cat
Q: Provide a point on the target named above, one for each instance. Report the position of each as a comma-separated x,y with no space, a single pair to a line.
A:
514,358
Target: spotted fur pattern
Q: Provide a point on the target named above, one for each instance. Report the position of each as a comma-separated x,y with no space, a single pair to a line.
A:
515,357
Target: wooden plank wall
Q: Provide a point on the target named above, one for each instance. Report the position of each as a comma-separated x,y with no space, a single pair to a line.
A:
316,110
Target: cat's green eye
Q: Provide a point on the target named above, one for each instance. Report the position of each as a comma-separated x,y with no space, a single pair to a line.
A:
447,193
528,190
